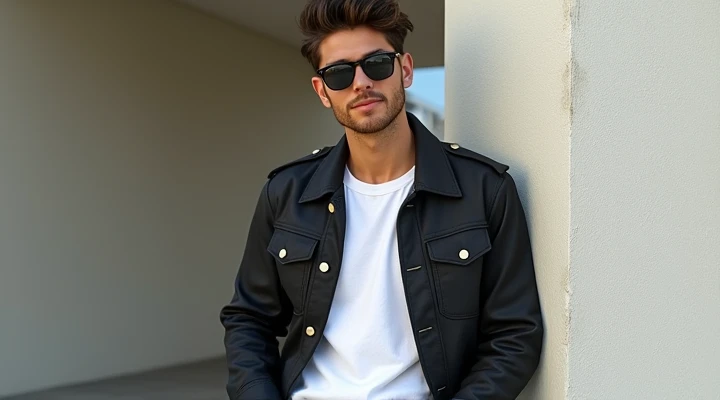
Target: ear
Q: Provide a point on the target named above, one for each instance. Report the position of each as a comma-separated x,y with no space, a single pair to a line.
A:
319,88
406,64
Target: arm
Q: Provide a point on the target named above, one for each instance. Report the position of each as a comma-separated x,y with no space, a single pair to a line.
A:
256,315
511,328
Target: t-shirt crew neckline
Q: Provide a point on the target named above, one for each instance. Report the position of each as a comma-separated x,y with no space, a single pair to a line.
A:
378,189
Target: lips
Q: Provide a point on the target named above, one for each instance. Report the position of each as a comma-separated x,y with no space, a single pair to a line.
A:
366,102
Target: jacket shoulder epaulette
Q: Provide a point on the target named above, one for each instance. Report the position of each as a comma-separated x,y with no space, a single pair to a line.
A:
456,149
317,154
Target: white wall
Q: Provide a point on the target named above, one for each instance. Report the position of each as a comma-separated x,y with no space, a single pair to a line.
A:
645,203
507,88
134,137
618,166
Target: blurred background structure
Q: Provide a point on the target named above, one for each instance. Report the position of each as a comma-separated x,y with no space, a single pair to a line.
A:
426,98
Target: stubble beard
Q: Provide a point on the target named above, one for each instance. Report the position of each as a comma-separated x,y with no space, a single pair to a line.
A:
375,123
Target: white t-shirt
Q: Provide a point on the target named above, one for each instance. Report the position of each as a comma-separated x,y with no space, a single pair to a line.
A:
368,350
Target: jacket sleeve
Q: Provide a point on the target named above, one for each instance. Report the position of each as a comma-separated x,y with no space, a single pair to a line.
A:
510,327
256,315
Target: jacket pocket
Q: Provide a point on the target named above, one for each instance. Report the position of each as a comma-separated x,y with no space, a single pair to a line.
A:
457,265
293,253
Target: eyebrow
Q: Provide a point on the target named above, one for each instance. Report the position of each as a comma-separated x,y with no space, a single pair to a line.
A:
343,60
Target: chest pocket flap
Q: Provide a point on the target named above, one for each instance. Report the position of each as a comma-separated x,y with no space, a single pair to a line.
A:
293,253
460,248
289,247
457,267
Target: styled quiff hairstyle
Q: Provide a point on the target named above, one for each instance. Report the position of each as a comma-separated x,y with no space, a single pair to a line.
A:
320,18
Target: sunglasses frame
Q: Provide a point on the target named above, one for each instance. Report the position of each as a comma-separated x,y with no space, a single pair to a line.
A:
354,64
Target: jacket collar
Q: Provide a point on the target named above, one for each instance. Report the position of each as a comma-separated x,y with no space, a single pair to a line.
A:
432,169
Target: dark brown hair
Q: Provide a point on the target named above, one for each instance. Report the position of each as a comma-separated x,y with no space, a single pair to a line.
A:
320,18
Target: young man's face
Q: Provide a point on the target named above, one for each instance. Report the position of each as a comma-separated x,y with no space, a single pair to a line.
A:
366,105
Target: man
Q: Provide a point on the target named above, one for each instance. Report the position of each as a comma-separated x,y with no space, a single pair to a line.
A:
398,266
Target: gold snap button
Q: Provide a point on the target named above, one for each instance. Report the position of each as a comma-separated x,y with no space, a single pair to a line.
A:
324,267
454,146
464,254
331,208
310,331
316,151
283,253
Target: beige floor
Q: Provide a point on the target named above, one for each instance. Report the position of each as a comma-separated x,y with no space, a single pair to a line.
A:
200,381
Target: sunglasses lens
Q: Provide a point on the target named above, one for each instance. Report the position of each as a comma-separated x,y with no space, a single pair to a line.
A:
339,77
379,67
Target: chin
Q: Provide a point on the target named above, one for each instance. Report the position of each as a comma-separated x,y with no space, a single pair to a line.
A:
370,125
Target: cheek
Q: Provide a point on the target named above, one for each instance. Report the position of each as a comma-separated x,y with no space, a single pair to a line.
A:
340,100
390,87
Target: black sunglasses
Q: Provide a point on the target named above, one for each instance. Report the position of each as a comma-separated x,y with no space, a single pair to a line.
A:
377,67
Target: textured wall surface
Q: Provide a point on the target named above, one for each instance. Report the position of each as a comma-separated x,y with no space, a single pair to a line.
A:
645,201
609,116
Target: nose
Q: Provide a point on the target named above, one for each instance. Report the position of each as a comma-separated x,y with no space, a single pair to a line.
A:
361,82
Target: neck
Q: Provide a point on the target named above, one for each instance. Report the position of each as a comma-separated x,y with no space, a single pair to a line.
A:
382,156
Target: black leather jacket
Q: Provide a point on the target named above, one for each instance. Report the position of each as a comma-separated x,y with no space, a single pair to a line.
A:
466,264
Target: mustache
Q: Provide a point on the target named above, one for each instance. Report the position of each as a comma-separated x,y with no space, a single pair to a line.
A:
367,96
